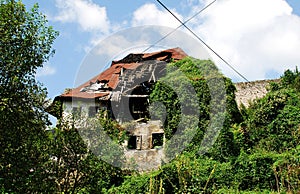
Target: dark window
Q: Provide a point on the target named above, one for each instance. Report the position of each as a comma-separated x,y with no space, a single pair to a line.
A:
132,142
135,142
76,111
157,140
138,107
93,110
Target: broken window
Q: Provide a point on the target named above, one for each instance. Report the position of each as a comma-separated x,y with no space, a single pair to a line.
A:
138,100
138,107
157,140
93,110
135,142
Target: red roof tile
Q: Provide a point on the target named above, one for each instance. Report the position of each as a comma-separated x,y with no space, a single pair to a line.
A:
111,75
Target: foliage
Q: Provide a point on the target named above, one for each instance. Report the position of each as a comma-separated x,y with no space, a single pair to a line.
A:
186,174
257,149
255,171
263,152
25,41
273,121
74,168
198,87
270,136
112,128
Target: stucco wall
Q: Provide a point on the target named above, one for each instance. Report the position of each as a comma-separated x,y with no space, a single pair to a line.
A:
83,108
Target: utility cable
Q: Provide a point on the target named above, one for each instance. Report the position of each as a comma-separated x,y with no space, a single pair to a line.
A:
179,26
183,24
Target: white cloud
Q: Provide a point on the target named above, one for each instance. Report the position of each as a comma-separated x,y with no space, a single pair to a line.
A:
255,36
90,16
46,70
149,14
113,46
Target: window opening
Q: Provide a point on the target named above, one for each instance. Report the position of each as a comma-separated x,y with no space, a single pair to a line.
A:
135,142
76,111
157,140
132,142
93,110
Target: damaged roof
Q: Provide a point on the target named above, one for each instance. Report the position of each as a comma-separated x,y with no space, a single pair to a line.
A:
108,80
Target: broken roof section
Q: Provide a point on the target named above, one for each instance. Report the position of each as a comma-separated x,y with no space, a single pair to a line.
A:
101,85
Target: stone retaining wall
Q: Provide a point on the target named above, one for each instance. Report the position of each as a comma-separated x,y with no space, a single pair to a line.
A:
248,91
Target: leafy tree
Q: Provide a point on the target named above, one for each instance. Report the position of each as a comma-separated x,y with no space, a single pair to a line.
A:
74,168
82,151
25,41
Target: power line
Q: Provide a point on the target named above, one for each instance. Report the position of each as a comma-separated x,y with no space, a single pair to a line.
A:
183,24
179,26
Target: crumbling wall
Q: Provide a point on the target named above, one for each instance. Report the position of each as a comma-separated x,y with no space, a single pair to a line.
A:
248,91
145,131
144,160
144,157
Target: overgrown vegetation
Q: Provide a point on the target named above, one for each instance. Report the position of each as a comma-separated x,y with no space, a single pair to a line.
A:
262,152
257,149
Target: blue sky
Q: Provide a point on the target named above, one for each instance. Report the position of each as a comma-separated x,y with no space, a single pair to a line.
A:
260,38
